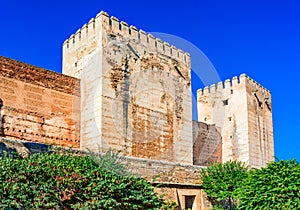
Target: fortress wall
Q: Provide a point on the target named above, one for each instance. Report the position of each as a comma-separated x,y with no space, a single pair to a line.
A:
207,147
147,102
169,172
38,105
38,76
175,181
261,139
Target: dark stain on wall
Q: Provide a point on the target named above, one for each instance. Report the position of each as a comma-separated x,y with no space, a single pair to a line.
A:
1,119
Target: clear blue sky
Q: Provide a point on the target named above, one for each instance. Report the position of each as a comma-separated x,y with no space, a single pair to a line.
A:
260,38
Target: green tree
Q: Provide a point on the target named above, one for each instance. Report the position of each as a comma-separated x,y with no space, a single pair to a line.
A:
275,187
221,181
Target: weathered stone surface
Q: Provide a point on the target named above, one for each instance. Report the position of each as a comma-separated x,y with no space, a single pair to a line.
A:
37,105
207,148
242,109
136,99
34,75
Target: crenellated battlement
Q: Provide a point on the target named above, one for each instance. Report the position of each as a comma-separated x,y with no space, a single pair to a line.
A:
254,84
226,85
233,84
86,30
113,24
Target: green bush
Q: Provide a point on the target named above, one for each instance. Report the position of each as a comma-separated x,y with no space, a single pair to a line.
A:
111,161
170,205
275,187
221,182
66,181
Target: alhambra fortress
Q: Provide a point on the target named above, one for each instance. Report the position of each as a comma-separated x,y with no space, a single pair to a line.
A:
124,89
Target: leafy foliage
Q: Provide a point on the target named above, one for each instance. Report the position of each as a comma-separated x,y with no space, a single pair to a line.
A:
221,181
275,187
169,205
66,181
111,161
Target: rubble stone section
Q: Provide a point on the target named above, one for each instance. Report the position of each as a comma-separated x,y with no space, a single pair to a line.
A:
207,147
38,105
136,91
242,109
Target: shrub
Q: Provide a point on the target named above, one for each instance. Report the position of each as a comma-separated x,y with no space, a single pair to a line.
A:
67,181
221,181
275,187
170,205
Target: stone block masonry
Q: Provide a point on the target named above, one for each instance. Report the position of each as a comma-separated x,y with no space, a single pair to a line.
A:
242,109
38,105
133,91
207,147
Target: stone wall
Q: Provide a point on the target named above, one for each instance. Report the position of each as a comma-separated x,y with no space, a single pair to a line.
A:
261,140
207,147
175,181
38,105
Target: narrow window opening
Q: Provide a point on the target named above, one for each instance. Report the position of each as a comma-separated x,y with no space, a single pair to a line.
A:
225,102
189,201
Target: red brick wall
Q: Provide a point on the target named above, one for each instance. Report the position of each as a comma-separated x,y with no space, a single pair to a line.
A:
38,105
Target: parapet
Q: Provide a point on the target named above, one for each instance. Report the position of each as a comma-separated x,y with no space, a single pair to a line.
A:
121,27
232,84
38,76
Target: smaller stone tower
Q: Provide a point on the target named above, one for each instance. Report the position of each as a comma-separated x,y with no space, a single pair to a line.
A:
242,109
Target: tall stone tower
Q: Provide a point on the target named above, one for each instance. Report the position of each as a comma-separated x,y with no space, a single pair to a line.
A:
242,109
135,91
